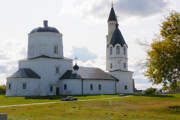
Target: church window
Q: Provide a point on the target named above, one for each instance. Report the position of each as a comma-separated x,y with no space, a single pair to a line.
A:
24,86
99,86
65,87
124,50
57,69
125,87
117,50
51,88
111,49
125,65
56,49
9,86
91,86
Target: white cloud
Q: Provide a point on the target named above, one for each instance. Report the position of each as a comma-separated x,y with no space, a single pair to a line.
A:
83,54
125,9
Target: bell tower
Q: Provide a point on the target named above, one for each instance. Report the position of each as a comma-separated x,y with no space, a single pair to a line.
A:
112,21
116,47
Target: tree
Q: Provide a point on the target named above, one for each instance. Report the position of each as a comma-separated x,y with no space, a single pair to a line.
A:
2,89
150,91
163,59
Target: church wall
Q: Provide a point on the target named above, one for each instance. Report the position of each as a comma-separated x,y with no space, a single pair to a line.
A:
16,89
125,79
74,87
107,87
46,69
117,61
43,43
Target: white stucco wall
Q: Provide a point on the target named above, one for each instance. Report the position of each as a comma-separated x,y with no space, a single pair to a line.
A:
74,87
107,87
125,79
43,43
32,87
46,69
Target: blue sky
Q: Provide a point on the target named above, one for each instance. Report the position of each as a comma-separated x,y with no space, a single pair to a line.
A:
83,24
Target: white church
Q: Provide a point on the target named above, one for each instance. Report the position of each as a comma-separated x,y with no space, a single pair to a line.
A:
47,72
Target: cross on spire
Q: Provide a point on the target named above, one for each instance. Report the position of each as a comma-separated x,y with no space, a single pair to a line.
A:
75,59
112,4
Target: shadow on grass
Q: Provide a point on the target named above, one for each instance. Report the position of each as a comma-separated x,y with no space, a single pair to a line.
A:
158,95
50,97
174,109
45,97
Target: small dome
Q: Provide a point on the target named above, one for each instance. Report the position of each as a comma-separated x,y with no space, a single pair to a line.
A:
46,28
76,67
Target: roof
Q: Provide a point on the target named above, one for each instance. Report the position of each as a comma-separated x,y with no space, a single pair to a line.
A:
119,70
45,28
112,15
117,37
70,75
45,56
25,73
87,73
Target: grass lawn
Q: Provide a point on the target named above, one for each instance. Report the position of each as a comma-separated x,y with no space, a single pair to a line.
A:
163,107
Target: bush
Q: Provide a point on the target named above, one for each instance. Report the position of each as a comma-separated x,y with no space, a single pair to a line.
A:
150,91
2,89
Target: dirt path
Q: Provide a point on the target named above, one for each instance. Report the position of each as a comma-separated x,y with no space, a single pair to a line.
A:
20,105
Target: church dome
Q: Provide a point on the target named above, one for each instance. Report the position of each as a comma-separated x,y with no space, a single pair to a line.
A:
46,28
76,67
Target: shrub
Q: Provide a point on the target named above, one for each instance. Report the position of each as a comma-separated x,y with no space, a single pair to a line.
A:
2,89
150,91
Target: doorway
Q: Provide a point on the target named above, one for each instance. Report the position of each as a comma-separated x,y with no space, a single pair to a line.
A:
57,91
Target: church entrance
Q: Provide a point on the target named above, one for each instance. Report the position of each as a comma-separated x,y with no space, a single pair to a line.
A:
57,91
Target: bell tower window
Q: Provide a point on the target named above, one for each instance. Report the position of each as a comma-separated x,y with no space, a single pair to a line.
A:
124,50
117,50
125,65
57,69
110,50
111,66
55,49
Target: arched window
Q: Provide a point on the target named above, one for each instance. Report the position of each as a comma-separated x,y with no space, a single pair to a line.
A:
91,86
9,86
57,69
117,50
55,49
125,65
65,87
24,86
125,87
51,88
99,86
111,50
124,50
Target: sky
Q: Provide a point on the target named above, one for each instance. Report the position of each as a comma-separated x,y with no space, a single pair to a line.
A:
83,24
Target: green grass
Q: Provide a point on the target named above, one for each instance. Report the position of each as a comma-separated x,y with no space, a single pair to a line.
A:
28,100
162,107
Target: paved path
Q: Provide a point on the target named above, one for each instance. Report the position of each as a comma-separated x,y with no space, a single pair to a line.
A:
20,105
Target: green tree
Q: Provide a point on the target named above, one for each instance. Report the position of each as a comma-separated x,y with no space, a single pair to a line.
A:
163,59
2,89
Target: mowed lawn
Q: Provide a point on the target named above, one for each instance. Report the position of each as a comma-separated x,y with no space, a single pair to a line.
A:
162,107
